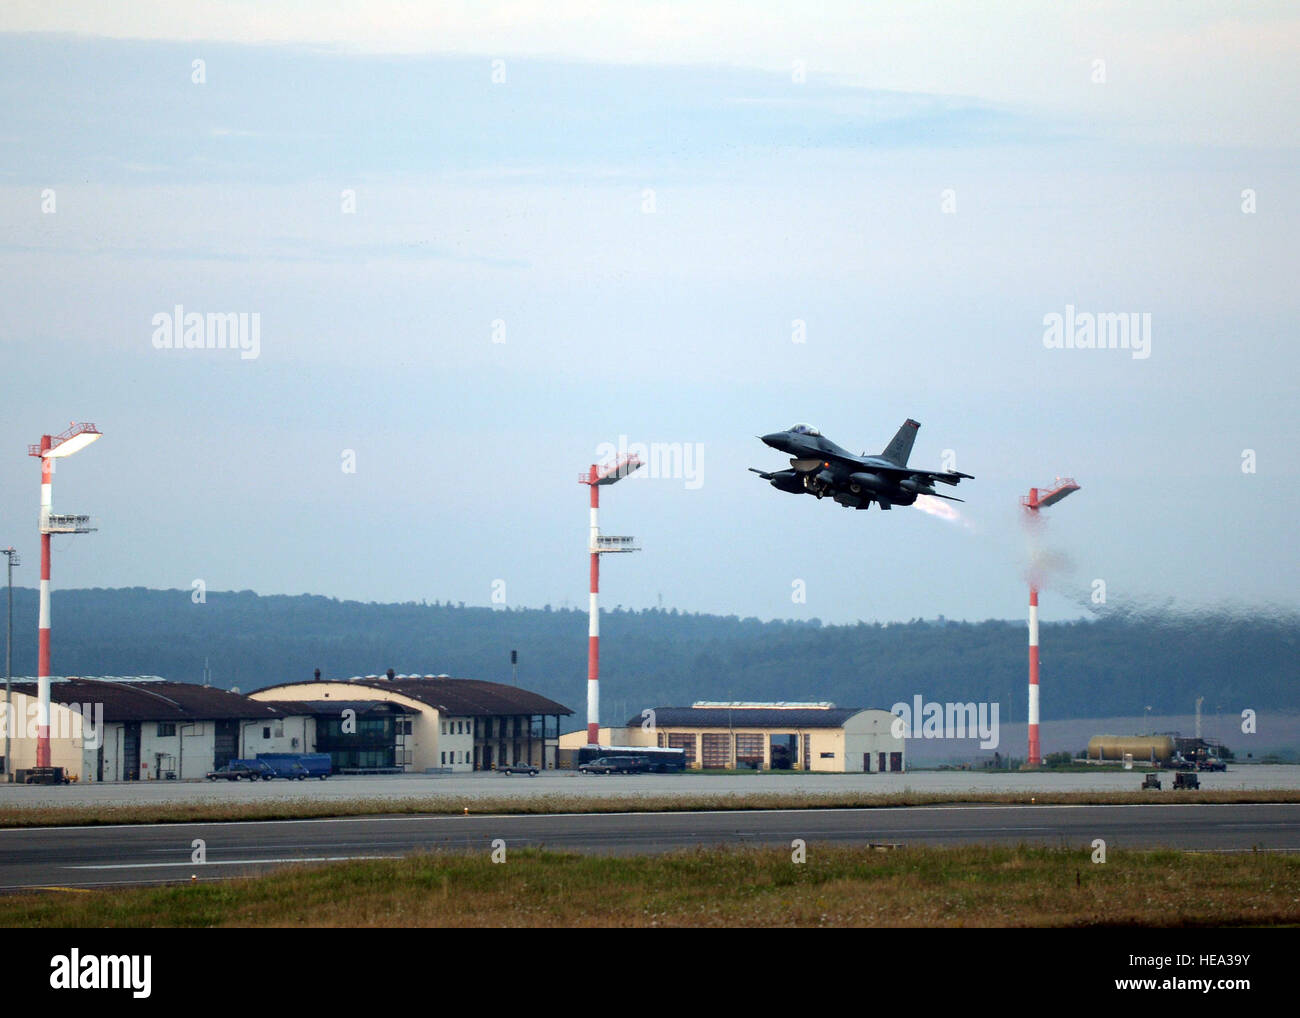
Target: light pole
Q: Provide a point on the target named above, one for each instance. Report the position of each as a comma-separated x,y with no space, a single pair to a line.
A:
14,560
1035,500
595,478
76,438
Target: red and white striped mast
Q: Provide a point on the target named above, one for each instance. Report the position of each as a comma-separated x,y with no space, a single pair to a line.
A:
76,438
598,546
1035,500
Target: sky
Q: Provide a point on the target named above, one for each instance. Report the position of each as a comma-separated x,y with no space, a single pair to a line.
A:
486,243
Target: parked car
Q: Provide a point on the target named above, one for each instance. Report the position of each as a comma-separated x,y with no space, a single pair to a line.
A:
241,770
613,765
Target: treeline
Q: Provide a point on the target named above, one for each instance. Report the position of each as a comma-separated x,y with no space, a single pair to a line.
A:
1116,664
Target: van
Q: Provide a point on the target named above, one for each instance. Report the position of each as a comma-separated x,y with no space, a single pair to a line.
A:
317,765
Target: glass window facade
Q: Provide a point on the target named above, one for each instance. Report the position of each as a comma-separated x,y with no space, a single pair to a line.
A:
373,744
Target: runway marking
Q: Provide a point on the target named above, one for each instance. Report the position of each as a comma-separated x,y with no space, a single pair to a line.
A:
223,862
90,886
650,814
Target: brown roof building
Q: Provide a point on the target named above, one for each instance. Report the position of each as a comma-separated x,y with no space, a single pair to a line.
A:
449,724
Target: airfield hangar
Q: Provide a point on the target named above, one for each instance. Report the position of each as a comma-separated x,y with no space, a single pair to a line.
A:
423,723
765,736
127,728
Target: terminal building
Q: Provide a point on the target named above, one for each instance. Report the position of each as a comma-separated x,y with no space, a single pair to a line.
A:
423,723
765,736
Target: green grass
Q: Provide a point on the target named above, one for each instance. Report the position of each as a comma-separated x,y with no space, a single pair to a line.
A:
836,886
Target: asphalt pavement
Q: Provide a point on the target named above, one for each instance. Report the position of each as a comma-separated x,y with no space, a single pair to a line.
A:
159,853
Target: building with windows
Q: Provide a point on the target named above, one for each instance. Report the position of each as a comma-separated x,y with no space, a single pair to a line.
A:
145,728
423,722
358,735
129,728
765,736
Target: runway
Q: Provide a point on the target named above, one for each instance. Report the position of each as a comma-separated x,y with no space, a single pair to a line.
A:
85,857
466,788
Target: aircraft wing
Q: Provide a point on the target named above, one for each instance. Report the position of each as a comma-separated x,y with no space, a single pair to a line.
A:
928,476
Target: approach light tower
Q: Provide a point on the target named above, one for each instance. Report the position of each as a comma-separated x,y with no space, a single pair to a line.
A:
1039,498
76,438
595,478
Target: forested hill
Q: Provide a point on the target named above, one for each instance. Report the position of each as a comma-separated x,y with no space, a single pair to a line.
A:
1115,665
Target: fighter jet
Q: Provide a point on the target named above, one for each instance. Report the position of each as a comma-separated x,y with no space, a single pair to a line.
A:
820,467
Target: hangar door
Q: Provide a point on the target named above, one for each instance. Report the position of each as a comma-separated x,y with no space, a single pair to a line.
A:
684,741
131,751
225,743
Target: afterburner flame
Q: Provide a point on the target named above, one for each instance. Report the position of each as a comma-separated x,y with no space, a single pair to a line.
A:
932,506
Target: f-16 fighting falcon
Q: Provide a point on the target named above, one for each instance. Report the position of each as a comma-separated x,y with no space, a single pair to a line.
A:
820,467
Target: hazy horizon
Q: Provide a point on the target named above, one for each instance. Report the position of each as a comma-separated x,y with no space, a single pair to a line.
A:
1167,610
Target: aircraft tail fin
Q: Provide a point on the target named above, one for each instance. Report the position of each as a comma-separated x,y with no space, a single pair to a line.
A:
900,448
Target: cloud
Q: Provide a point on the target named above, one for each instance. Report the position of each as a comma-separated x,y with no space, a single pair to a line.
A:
268,114
1186,72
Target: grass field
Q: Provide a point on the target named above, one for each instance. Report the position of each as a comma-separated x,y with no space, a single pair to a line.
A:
49,816
836,886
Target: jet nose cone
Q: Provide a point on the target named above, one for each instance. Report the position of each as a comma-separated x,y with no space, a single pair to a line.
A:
776,439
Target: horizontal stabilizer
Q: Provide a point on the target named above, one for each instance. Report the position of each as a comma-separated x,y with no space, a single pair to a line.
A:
951,477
